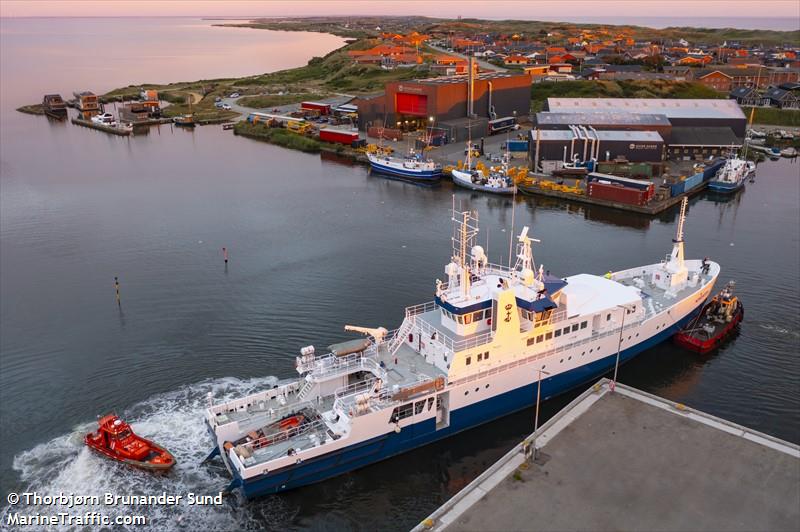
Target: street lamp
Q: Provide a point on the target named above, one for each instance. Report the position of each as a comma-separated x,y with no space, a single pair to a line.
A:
624,310
536,416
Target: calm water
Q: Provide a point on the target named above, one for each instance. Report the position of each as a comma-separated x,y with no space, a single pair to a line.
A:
314,244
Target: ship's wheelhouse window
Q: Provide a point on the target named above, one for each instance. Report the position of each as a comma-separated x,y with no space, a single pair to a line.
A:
469,361
539,338
460,319
486,355
419,406
531,340
402,412
467,319
480,357
575,327
488,313
548,336
583,324
566,330
558,333
608,317
478,316
430,403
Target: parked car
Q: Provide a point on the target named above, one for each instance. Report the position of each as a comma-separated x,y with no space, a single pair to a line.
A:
234,95
219,105
218,99
226,106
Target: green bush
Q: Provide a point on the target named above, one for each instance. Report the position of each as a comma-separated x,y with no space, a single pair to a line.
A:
279,136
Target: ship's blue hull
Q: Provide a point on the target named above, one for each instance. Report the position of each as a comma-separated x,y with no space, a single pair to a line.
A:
391,444
725,188
429,175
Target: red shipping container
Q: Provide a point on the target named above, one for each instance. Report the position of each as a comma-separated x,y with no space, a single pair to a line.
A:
619,194
323,108
337,135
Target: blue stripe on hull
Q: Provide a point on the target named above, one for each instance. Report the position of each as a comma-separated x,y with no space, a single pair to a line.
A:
391,444
425,175
724,187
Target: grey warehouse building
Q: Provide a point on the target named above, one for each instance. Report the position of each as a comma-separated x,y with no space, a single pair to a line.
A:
604,145
696,113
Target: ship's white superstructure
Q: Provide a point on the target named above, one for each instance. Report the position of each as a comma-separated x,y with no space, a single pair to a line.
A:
471,355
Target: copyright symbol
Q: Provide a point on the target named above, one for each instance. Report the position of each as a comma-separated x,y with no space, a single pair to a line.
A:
12,498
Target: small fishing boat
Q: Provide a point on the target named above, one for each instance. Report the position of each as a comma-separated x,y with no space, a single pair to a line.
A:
184,121
115,439
731,177
789,152
412,166
716,321
494,181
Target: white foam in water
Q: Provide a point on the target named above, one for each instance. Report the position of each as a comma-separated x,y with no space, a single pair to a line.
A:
174,420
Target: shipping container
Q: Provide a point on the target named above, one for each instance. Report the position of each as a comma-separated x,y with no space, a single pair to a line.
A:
647,187
515,145
338,135
321,108
618,193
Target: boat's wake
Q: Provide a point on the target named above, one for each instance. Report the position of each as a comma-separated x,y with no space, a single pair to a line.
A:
173,419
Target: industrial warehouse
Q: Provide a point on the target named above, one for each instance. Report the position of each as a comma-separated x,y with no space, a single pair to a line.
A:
455,105
637,130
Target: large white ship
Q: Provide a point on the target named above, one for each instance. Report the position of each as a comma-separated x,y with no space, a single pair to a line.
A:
473,354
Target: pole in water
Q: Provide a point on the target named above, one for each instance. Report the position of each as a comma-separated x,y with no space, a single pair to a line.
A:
116,287
225,255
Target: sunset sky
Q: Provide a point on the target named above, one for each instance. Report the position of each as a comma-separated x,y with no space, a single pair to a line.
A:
529,9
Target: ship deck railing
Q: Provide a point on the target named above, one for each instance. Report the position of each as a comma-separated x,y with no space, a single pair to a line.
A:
346,397
545,354
269,446
221,412
332,365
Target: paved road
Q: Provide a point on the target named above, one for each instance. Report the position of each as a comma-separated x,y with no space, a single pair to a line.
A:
483,64
334,101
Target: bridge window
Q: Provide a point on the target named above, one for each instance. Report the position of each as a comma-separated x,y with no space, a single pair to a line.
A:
608,317
531,340
478,316
583,324
486,355
575,327
469,361
467,319
488,313
566,330
548,336
418,407
558,333
480,357
539,338
402,412
430,402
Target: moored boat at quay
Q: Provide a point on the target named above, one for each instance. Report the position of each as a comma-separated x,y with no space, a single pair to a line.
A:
475,353
412,166
731,177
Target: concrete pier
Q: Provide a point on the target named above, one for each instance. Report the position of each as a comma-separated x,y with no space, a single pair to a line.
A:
628,460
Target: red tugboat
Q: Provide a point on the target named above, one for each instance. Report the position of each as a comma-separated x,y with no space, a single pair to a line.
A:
115,439
716,321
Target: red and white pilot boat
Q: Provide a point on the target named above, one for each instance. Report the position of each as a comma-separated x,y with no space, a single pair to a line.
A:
115,439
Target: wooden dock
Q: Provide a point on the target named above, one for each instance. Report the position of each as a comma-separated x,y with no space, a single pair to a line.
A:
101,127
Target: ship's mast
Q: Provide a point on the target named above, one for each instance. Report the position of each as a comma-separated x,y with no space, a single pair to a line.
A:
677,248
464,231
